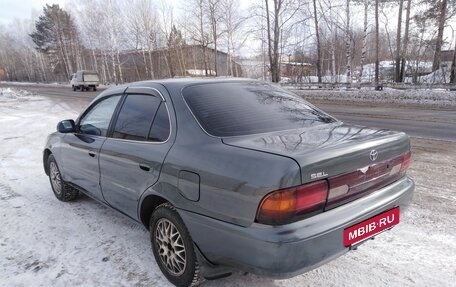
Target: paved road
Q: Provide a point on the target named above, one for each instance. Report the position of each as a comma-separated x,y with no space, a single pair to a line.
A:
415,121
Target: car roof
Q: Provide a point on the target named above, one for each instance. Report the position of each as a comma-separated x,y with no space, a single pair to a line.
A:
182,82
172,85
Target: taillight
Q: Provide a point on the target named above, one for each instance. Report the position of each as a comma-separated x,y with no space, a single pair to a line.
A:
348,187
405,162
291,204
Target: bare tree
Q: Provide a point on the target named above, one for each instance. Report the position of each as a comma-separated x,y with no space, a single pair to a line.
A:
377,46
167,24
143,29
453,68
233,23
406,41
197,27
348,40
331,19
365,33
398,43
214,15
317,35
439,41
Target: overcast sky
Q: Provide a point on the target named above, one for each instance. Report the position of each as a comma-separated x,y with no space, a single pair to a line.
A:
22,9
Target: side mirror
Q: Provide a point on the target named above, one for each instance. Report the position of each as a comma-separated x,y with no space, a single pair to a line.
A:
66,126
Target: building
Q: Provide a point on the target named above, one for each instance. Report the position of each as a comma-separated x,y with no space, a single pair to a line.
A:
180,61
446,58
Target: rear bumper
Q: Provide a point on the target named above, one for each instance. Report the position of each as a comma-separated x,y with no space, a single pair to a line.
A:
288,250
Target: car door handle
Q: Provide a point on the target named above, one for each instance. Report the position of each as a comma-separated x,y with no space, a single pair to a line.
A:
144,167
92,154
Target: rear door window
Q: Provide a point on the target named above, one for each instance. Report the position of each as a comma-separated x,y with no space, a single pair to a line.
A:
135,117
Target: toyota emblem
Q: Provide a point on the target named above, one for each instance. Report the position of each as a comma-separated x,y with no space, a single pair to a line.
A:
373,155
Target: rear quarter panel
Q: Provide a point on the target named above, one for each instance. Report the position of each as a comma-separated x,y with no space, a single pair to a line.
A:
232,180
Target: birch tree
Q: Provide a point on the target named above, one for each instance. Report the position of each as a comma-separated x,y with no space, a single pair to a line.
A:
114,31
233,24
213,10
377,46
365,33
348,40
331,19
197,28
166,26
279,19
143,28
406,41
317,36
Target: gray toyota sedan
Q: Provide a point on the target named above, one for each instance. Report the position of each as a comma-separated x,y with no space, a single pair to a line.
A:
232,174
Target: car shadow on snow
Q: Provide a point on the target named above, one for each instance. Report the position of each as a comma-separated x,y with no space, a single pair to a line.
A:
242,279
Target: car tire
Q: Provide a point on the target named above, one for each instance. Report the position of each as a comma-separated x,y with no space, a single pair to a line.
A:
62,190
173,247
74,89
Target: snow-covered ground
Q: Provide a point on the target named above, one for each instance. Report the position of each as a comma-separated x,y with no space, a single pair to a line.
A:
54,84
44,242
40,84
441,76
422,97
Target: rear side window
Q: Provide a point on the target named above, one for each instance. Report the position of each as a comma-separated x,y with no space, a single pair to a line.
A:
136,117
160,127
234,109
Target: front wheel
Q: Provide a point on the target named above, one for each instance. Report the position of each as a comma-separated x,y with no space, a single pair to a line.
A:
62,190
173,247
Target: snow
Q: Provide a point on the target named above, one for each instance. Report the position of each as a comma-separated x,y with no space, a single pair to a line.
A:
9,94
40,84
423,97
441,76
44,242
386,69
54,84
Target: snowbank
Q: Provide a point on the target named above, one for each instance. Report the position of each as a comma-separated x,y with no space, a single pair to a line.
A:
54,84
428,98
9,94
441,76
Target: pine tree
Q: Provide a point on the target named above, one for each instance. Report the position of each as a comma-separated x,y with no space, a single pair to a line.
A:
56,36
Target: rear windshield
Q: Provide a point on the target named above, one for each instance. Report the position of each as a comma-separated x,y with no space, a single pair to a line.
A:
234,109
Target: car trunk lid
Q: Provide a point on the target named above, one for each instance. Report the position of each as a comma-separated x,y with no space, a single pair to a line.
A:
363,158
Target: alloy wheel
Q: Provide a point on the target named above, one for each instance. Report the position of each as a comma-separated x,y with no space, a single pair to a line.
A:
171,247
56,180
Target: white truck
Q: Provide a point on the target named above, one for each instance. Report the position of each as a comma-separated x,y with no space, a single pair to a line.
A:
85,80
